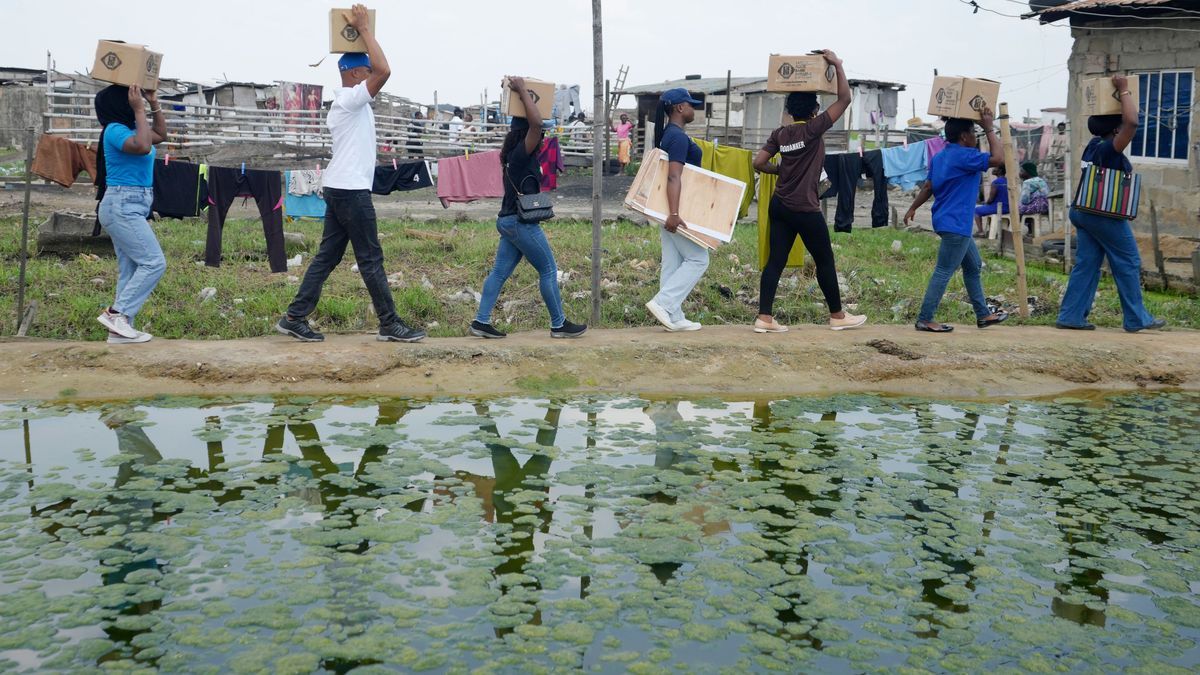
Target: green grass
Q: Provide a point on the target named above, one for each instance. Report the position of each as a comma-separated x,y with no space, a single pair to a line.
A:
885,285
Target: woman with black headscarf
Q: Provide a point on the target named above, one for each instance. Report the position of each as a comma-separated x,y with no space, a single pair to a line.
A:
124,188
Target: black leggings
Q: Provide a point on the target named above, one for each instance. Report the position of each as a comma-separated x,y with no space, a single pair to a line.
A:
785,226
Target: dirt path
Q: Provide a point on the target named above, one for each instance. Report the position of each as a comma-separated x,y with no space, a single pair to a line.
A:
727,361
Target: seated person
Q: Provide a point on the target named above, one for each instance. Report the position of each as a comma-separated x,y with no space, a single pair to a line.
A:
1035,193
997,199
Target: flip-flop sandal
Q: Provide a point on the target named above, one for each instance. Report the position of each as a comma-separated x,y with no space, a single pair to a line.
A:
926,328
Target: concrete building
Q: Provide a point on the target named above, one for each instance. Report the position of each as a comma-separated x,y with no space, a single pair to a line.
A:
1158,41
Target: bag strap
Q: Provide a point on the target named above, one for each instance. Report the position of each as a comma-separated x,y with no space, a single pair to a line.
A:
514,186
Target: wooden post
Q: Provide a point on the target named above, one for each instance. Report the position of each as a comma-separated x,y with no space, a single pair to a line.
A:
728,103
1158,255
1014,213
597,155
608,112
1068,198
25,228
1196,269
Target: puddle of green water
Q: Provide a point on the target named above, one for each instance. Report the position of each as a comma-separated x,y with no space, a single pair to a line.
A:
852,533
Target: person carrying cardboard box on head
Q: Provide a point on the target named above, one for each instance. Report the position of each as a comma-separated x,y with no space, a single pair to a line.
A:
349,214
521,234
795,209
125,189
1107,236
683,260
954,176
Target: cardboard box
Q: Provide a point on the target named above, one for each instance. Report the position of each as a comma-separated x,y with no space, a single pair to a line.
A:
343,39
963,97
801,73
540,91
1100,97
708,202
128,64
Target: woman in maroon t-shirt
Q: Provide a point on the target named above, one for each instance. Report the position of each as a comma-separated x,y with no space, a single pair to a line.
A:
795,210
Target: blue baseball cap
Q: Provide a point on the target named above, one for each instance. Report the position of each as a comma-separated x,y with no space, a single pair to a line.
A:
353,60
680,95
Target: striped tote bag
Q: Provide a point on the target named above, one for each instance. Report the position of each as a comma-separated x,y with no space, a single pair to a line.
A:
1108,192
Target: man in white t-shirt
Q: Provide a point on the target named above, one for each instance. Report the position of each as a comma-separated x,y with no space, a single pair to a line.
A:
349,213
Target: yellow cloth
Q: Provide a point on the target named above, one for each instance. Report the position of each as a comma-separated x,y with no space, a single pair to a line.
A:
623,148
733,162
766,190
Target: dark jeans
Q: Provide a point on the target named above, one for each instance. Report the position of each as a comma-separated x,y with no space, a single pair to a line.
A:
349,219
1101,238
786,225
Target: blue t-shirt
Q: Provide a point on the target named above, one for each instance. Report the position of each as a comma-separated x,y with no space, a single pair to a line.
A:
122,167
954,174
679,147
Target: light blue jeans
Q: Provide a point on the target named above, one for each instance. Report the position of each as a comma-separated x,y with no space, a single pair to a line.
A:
522,240
683,263
955,252
140,260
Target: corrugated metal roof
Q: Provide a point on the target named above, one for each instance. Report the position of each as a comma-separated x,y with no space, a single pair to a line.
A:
704,85
1051,14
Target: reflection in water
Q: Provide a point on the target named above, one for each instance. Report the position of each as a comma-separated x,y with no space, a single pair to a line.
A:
842,533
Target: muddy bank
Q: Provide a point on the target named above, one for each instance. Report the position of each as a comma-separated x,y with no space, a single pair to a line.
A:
726,361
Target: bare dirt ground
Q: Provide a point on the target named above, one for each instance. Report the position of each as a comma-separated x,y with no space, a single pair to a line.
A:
728,361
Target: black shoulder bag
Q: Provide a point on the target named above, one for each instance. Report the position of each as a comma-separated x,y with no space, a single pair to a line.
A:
531,208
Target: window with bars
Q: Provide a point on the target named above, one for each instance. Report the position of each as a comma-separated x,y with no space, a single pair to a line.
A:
1165,115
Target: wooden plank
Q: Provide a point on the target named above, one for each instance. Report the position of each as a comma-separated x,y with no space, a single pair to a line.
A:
1158,254
1014,213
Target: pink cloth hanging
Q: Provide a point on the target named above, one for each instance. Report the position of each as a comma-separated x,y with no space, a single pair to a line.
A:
470,177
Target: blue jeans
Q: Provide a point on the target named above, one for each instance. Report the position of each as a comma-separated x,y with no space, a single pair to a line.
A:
349,219
683,263
140,260
522,240
955,251
1099,237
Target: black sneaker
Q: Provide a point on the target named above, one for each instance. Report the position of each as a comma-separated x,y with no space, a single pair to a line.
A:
1157,324
400,332
568,330
486,330
299,329
1069,326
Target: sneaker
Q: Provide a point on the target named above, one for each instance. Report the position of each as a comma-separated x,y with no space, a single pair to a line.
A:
299,329
688,325
1067,326
485,330
849,321
771,326
118,339
568,330
400,332
117,323
1157,324
661,315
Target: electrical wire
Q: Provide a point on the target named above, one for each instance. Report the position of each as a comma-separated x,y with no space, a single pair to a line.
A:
978,7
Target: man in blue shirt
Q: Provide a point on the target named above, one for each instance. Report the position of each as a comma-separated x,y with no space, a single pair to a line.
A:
954,184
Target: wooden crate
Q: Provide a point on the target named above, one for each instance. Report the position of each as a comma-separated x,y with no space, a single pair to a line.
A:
708,202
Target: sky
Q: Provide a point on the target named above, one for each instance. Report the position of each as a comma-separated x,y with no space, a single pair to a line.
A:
460,48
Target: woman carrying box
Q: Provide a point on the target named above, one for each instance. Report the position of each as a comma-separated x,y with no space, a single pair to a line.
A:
795,209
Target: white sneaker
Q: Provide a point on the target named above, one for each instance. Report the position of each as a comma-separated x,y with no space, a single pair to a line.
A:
772,326
850,321
118,339
117,323
661,316
687,325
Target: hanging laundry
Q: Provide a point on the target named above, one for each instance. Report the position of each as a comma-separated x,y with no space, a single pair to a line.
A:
844,171
566,102
59,160
736,163
933,146
303,198
470,177
266,187
179,189
402,177
906,166
766,190
303,182
551,160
